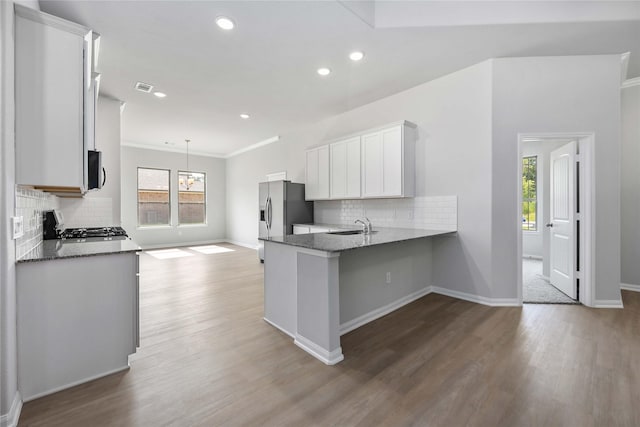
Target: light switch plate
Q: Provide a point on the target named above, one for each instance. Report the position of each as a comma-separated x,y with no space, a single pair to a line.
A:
18,226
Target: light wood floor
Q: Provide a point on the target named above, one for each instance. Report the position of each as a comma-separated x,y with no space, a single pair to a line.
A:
208,359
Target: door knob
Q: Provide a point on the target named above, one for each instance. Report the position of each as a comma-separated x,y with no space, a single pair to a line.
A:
549,225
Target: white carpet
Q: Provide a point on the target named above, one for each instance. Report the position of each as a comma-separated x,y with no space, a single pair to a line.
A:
537,289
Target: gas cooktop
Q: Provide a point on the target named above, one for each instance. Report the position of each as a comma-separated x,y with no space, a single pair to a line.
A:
96,233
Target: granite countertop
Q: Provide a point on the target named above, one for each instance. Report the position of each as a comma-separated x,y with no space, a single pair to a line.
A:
333,226
338,243
56,249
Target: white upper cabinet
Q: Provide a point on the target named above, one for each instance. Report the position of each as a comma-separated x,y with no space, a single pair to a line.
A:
55,101
388,162
376,164
344,162
317,173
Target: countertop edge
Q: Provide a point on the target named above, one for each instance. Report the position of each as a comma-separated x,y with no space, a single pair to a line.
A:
438,233
54,258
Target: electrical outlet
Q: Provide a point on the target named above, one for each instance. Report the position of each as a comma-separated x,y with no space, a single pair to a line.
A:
388,277
17,226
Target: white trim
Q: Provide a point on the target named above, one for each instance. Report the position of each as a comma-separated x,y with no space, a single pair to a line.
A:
75,383
10,419
50,20
630,287
327,357
275,325
254,146
183,244
586,149
383,311
608,303
168,149
624,60
492,302
244,245
631,82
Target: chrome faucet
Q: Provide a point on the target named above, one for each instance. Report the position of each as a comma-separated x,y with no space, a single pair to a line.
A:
366,226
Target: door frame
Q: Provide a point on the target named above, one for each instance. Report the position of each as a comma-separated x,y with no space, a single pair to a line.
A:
586,235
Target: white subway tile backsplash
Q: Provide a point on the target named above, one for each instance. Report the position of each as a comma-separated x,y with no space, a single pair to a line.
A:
87,212
30,204
436,213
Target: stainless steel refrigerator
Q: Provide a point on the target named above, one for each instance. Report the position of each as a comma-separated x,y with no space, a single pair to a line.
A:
281,204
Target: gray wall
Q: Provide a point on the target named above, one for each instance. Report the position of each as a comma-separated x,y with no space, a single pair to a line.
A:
8,348
453,157
630,190
132,158
557,94
108,141
363,286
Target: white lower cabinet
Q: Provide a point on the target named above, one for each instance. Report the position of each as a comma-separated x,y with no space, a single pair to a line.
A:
78,319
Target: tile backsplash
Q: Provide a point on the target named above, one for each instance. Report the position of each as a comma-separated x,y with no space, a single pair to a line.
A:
434,213
30,204
87,212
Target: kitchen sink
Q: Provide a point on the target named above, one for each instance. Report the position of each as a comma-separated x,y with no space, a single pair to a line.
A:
348,232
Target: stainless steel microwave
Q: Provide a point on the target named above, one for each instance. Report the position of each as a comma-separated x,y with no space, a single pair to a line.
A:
97,176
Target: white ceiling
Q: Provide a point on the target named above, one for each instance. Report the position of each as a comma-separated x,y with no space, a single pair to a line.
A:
267,65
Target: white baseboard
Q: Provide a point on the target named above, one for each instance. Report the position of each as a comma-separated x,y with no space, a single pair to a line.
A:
493,302
382,311
75,383
11,418
630,287
607,303
275,325
327,357
244,245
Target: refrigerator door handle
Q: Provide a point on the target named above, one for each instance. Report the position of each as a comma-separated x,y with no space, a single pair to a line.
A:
266,212
269,213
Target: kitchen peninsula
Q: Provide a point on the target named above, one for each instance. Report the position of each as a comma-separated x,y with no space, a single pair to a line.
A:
322,285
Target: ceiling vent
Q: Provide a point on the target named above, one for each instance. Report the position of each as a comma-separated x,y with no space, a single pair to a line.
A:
144,87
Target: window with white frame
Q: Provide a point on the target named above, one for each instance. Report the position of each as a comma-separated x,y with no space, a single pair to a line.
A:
530,193
154,201
192,198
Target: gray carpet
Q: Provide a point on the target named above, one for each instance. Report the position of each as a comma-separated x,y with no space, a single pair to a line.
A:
537,289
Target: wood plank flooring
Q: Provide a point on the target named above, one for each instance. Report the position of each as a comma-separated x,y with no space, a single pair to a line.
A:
208,359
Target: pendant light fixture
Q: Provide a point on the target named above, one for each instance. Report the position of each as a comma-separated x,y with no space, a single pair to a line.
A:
189,179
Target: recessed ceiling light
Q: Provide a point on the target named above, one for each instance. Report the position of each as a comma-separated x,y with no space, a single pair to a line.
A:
244,116
356,56
225,23
324,71
160,94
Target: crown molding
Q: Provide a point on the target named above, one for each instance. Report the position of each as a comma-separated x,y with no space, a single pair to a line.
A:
254,146
169,149
631,82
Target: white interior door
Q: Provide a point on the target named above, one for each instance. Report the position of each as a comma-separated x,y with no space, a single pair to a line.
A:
562,219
